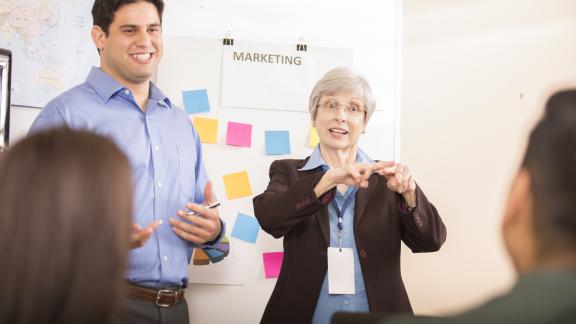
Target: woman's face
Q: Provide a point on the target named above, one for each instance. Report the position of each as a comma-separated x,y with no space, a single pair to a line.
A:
340,119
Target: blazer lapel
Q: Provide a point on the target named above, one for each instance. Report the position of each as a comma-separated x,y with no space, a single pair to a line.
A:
363,197
321,215
322,219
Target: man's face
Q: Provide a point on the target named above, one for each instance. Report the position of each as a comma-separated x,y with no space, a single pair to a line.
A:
133,47
518,224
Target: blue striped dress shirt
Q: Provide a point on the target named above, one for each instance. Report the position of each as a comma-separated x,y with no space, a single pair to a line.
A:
329,304
166,158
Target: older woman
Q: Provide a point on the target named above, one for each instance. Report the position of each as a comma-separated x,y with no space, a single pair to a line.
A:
343,215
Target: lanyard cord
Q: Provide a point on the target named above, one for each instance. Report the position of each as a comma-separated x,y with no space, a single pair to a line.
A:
340,214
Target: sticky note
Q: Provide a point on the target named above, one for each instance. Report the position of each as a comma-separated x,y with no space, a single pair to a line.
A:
239,134
277,142
246,228
272,263
237,185
195,101
207,128
313,139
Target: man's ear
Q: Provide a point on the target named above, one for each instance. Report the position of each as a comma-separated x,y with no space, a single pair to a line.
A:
518,222
98,36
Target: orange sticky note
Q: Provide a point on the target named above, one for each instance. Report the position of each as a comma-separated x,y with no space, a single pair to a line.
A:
237,185
313,139
207,128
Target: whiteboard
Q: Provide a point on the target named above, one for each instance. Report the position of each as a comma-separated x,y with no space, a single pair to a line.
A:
371,29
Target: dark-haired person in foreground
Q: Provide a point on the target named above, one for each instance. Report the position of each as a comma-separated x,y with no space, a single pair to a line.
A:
65,214
539,230
119,100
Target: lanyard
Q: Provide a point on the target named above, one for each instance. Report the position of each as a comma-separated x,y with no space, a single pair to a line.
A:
340,213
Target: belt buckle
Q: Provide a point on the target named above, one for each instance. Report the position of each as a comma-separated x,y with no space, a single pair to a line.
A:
164,292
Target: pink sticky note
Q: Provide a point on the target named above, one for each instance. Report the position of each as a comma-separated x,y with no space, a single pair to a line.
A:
239,134
272,264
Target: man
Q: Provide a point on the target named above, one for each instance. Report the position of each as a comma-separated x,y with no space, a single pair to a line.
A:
539,229
119,100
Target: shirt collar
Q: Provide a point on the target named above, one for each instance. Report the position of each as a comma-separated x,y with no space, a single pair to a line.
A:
106,87
316,159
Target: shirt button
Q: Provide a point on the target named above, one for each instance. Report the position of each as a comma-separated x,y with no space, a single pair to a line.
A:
160,184
127,92
363,253
165,258
156,147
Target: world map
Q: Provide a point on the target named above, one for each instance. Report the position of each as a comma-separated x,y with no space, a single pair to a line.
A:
51,46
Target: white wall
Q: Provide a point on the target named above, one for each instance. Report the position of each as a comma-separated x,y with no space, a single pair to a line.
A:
464,123
475,74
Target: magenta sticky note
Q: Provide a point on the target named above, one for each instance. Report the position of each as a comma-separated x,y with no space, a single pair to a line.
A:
239,134
272,263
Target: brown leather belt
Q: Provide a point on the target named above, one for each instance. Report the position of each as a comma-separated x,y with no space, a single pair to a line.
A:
160,297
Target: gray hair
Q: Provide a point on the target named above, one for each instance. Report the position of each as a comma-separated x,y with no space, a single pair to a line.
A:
342,79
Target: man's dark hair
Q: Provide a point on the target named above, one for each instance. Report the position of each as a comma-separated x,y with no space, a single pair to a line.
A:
551,162
103,11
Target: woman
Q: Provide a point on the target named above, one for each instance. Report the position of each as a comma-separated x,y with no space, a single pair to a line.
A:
340,208
65,214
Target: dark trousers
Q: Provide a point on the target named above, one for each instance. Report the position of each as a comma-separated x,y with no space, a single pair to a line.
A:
136,311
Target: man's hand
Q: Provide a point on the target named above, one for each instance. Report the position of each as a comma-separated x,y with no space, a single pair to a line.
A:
203,225
140,235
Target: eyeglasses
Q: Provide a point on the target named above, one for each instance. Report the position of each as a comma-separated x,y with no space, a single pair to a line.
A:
352,109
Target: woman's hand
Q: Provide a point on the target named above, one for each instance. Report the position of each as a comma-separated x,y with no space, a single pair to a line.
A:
355,175
399,179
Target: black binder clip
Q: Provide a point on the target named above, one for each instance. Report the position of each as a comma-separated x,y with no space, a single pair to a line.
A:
301,46
228,40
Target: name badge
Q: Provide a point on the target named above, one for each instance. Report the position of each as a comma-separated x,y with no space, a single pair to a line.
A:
341,271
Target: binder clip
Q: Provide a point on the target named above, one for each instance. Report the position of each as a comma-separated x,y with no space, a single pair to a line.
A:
228,40
301,46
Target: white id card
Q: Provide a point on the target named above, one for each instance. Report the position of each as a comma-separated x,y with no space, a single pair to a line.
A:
341,271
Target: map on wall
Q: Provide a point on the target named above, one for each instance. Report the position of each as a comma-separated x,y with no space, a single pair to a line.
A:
51,46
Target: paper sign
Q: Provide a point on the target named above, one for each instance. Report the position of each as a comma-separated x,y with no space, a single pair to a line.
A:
340,271
313,139
246,228
272,263
239,134
237,185
207,128
277,142
195,101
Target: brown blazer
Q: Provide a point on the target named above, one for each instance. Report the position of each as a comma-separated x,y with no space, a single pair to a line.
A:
289,208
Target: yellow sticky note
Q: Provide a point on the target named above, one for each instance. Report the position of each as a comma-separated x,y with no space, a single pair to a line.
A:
313,139
237,185
207,128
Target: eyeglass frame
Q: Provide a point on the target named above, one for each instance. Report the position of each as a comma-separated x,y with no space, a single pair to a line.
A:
346,108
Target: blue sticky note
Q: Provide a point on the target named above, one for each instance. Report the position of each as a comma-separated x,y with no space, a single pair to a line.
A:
277,142
195,101
246,228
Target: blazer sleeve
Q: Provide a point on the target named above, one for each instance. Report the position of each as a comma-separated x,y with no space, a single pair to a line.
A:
289,198
422,228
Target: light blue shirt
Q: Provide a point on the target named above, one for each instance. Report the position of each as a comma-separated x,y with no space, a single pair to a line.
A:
166,158
328,304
